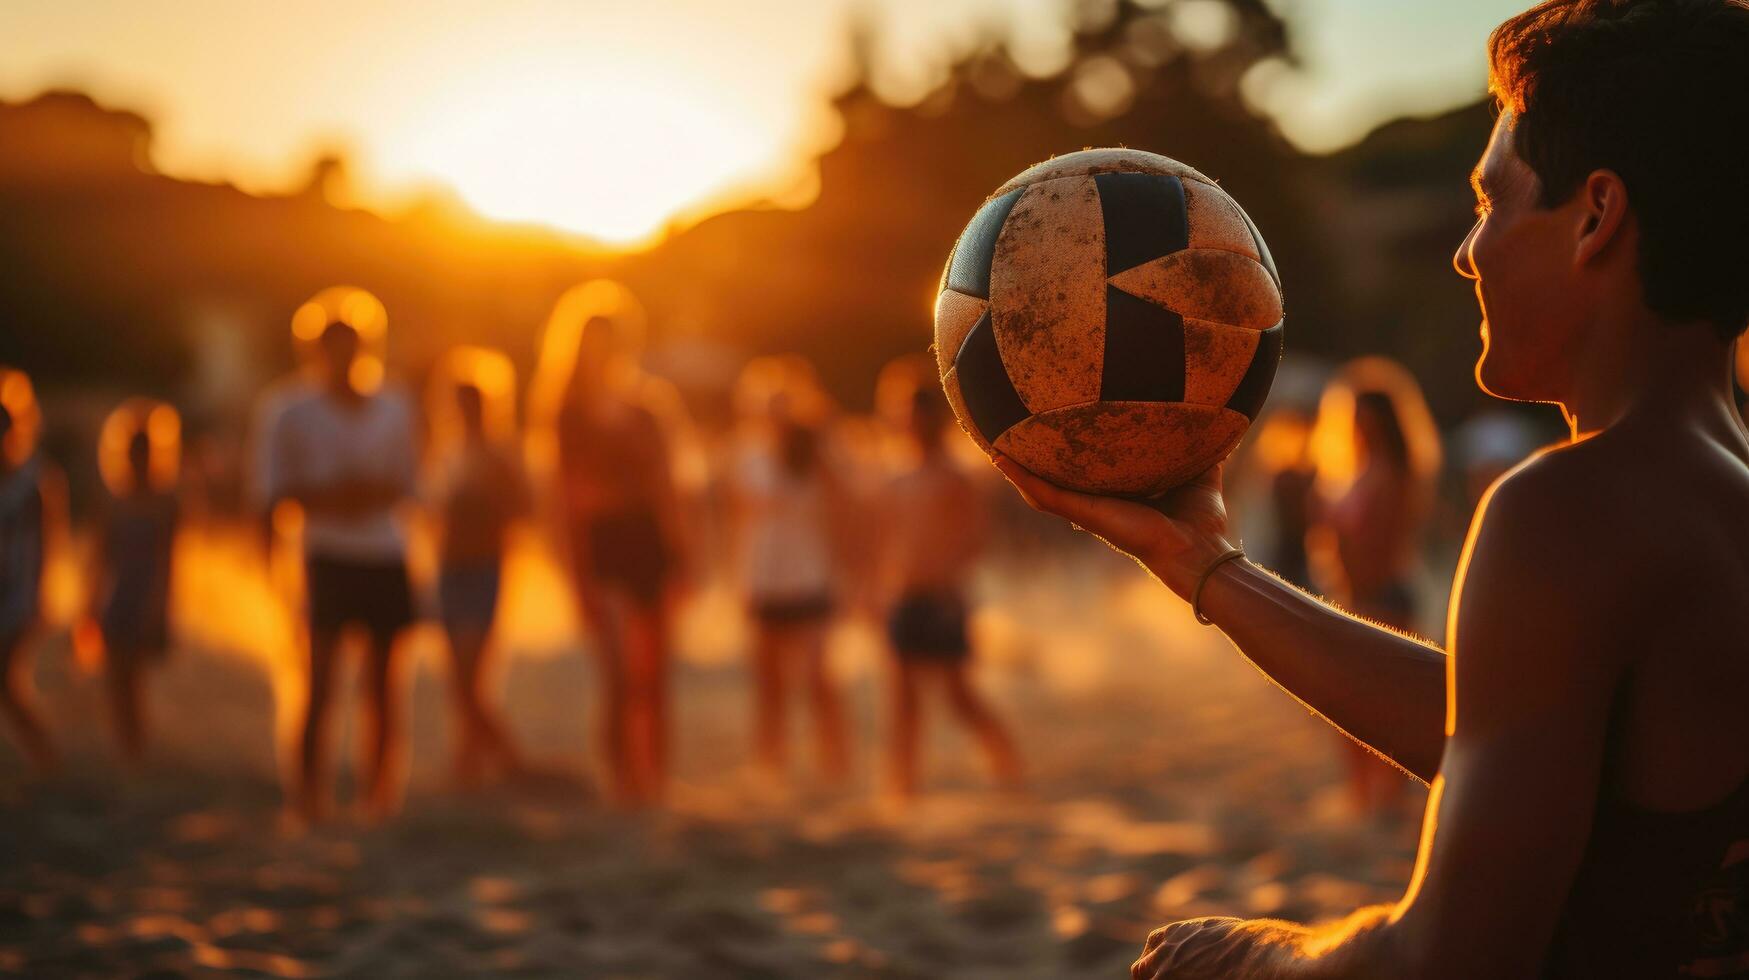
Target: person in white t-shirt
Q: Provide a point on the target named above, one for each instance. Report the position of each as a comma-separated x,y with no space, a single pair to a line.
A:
339,444
788,517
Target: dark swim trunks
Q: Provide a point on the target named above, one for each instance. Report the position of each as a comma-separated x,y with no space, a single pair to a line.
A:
374,595
929,626
806,610
628,551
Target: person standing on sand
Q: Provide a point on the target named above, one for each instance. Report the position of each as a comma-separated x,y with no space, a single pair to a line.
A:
933,532
21,563
1584,732
479,493
788,513
608,429
1378,459
338,443
138,457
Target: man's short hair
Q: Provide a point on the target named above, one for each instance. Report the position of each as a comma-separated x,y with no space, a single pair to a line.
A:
1658,92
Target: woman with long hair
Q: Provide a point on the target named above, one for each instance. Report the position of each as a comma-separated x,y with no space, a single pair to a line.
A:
601,435
1378,457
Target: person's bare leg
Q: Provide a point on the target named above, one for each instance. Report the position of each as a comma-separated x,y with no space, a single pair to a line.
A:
645,678
470,751
768,698
18,704
906,733
126,709
828,705
611,728
382,729
312,785
661,699
492,736
992,734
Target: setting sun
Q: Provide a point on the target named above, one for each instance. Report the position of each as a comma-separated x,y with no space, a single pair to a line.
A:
611,154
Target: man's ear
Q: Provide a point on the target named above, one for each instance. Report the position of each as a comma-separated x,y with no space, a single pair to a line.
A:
1602,217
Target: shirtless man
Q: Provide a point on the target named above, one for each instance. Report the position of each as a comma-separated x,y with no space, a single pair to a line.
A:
934,531
1584,734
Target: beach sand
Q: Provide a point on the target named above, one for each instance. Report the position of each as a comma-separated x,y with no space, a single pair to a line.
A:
1167,780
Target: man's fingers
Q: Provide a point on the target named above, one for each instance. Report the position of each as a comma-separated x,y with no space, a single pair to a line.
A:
1045,495
1017,478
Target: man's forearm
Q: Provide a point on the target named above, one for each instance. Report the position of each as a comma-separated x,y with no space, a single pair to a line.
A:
1382,688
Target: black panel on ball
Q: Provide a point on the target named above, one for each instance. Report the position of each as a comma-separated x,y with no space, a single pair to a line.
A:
1144,218
1144,351
984,383
968,269
1254,386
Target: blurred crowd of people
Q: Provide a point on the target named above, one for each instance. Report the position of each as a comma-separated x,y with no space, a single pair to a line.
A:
345,463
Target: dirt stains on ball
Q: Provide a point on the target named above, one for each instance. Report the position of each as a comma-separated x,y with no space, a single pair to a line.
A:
1047,293
1208,284
1127,448
1216,222
1216,357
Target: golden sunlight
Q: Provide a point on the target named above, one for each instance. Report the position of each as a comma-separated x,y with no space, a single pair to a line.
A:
605,152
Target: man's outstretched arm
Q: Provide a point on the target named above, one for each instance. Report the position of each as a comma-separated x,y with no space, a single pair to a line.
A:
1382,688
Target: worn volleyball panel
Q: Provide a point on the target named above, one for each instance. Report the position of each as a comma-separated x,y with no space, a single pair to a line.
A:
1048,272
1128,448
1111,319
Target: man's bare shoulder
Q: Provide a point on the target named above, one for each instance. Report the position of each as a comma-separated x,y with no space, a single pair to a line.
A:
1568,521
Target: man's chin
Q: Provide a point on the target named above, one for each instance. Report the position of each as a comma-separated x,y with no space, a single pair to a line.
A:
1494,381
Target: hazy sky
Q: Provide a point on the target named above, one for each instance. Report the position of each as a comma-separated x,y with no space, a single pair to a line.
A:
609,116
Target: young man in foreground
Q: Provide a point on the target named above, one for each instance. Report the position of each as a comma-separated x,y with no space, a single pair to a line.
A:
1585,734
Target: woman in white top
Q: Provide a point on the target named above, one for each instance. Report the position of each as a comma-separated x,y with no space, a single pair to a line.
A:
785,520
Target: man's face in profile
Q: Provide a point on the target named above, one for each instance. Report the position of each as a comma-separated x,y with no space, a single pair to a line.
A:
1520,256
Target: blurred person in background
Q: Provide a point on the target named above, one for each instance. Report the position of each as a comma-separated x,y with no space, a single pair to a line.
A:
139,458
22,531
1282,452
603,434
1488,446
788,512
479,492
1378,455
934,526
337,443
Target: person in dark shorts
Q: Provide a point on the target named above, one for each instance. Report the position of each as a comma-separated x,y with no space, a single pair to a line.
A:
788,515
338,444
480,493
934,529
21,563
606,428
138,451
1584,732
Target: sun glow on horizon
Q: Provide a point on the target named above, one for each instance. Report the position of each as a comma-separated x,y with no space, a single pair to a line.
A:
612,154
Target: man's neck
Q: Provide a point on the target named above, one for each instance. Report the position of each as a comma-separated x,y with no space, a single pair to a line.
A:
1655,368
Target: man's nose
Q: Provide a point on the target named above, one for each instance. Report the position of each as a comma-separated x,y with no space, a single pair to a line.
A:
1462,261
